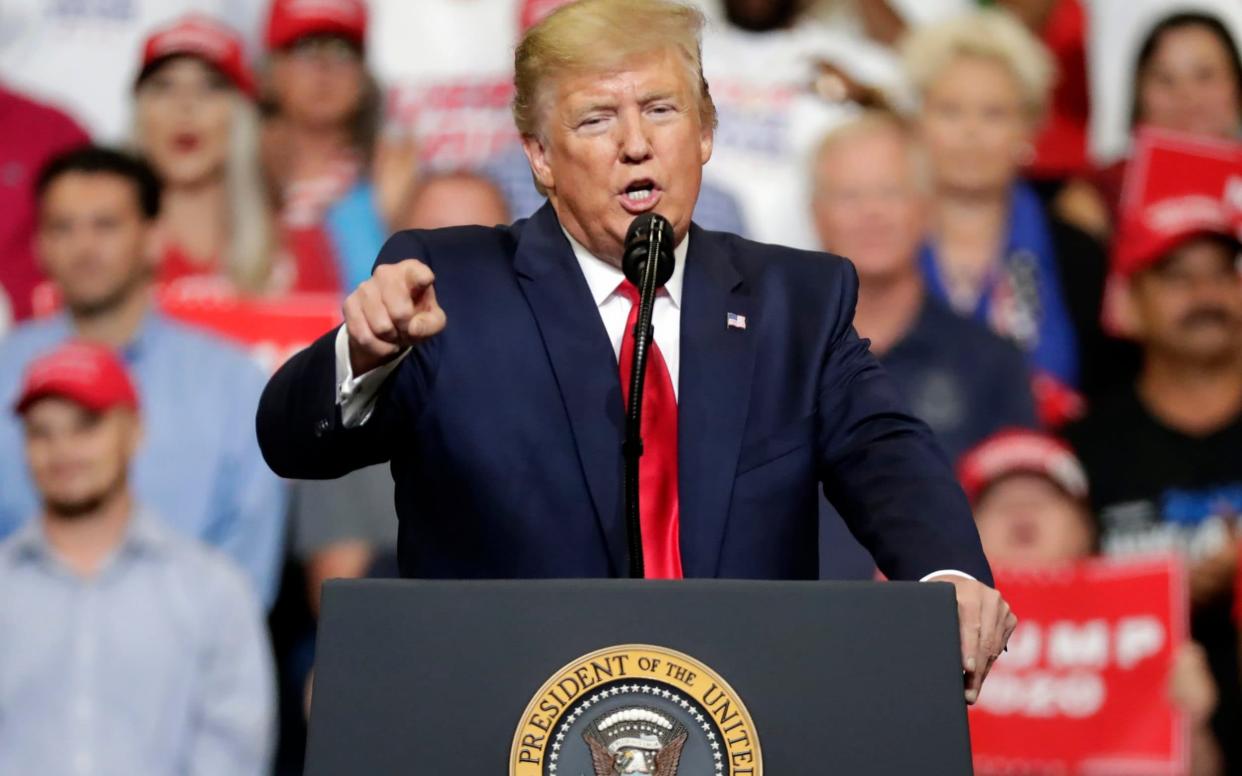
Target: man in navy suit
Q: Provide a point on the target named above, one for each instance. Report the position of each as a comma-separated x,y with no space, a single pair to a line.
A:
504,426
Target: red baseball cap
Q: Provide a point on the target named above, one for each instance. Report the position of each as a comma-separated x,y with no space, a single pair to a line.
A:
82,372
294,19
198,36
1021,451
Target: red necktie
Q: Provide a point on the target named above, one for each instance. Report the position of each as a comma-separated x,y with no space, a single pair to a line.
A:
657,468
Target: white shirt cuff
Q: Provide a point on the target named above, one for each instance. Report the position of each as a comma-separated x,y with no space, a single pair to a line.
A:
948,573
356,395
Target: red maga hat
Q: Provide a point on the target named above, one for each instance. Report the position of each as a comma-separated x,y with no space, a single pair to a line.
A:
198,36
1021,451
82,372
290,20
1177,187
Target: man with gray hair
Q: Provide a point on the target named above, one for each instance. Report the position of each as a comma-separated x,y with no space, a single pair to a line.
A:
870,203
504,427
870,189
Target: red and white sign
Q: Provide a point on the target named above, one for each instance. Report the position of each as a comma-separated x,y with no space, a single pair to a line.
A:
273,329
1084,687
1176,185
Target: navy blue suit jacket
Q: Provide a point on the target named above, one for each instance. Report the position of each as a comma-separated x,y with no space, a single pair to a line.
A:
504,431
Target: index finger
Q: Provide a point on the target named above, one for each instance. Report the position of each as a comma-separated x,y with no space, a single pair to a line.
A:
418,276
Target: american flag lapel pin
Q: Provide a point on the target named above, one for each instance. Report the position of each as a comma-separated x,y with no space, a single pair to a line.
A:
735,321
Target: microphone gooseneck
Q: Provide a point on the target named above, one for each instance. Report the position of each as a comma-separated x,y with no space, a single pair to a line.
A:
648,264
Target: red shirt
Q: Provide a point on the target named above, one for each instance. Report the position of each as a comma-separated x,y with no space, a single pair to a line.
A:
30,135
306,266
176,265
1061,147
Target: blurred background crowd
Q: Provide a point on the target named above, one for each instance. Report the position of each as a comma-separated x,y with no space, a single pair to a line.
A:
1078,354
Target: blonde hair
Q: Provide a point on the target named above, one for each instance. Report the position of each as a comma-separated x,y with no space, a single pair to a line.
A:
871,123
598,35
992,34
252,241
250,254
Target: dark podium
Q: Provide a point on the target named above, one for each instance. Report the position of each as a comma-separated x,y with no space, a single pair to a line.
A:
591,677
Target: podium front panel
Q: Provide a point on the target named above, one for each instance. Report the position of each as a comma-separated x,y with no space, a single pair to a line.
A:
434,678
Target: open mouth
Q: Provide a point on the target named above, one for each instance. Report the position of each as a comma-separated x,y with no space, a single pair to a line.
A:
1025,534
640,195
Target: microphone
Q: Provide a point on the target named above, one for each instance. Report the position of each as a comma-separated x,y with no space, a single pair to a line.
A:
649,235
647,263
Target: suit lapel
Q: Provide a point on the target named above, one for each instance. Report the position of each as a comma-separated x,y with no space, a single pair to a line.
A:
717,362
584,364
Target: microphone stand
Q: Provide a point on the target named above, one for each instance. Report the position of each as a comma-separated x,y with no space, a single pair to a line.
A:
633,446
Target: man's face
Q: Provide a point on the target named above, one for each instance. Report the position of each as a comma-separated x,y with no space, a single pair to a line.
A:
1189,306
868,206
78,458
618,144
94,240
1026,520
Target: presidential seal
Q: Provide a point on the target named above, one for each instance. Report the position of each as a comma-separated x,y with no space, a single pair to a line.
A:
636,710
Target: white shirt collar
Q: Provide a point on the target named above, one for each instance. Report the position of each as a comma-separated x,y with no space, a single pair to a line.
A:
603,278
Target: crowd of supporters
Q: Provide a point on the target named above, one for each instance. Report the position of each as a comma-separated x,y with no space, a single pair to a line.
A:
978,164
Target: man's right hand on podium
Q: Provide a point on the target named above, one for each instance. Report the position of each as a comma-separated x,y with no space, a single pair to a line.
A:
390,312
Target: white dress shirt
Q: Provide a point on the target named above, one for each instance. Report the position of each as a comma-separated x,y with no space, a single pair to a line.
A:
356,395
603,278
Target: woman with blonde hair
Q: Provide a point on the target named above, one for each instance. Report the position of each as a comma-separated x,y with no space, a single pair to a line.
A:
993,252
196,121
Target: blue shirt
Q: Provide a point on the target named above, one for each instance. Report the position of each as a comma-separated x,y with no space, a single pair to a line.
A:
158,664
1022,298
961,379
199,466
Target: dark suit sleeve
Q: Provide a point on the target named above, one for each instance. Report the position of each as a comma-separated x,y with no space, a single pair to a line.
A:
299,423
881,467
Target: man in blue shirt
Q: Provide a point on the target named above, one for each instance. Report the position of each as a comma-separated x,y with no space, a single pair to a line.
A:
199,467
870,204
124,646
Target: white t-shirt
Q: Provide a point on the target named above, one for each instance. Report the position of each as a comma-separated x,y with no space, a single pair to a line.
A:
770,122
447,70
83,56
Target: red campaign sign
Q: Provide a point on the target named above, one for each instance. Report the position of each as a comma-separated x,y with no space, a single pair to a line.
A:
1083,689
1176,185
1169,165
273,329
